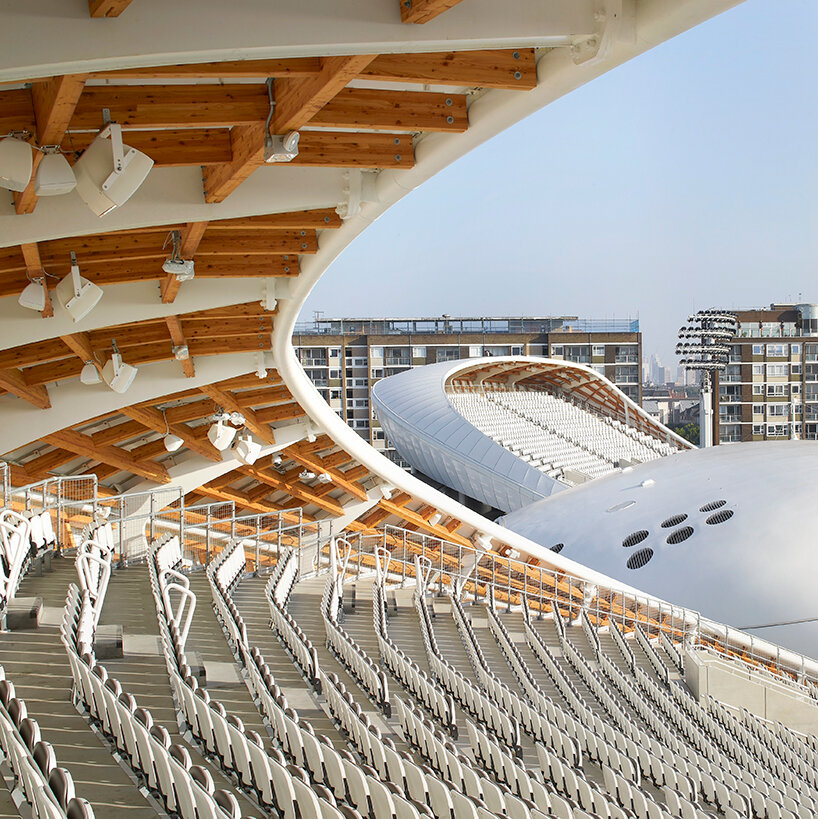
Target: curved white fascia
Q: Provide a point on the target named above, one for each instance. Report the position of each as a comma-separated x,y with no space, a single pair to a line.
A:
489,115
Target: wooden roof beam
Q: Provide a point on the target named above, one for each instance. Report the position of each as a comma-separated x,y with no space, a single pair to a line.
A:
316,464
192,234
153,419
14,382
421,11
297,100
294,488
107,8
229,403
177,338
84,446
54,101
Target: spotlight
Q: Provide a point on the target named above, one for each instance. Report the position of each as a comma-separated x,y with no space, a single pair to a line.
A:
277,460
306,475
108,173
54,175
175,264
76,294
386,491
325,477
221,436
117,374
246,449
16,163
172,442
33,295
282,148
90,374
236,418
181,352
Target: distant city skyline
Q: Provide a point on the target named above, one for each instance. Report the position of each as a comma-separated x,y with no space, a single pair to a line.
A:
682,180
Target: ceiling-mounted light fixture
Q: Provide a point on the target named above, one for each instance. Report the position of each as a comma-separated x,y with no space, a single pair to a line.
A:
76,294
90,374
277,460
172,442
54,175
16,162
109,172
117,374
237,419
306,475
282,147
246,449
325,477
175,264
33,295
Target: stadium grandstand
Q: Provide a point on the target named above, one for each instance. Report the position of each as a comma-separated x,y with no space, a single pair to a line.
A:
217,601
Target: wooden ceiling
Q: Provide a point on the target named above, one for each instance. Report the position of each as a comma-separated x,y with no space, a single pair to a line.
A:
360,111
216,117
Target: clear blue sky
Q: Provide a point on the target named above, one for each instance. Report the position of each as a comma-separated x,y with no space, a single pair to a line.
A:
685,178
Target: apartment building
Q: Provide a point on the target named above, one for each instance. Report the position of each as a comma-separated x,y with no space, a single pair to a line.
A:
345,357
769,389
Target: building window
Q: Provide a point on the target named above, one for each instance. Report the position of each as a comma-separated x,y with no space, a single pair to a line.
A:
795,349
334,373
758,369
334,352
795,389
758,429
474,351
758,409
517,350
776,371
776,350
557,350
795,369
598,350
776,430
758,389
335,395
444,354
780,410
758,349
418,352
777,389
376,352
377,372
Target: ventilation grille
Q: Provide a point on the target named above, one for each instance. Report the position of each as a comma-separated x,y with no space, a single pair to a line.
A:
720,517
678,535
674,520
639,559
635,537
557,547
712,506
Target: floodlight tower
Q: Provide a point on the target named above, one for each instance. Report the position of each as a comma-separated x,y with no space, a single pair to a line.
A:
703,342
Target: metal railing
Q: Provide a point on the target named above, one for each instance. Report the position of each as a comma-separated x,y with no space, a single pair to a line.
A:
476,574
5,482
205,529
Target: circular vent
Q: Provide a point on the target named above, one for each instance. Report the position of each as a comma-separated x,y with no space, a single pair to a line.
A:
635,537
639,559
674,520
557,547
678,535
712,506
720,517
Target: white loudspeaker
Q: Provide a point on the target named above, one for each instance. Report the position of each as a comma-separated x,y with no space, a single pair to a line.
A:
16,163
77,295
221,436
54,176
109,173
117,374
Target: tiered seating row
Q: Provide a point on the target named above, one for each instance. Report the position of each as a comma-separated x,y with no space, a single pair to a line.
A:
45,787
408,672
349,653
160,765
24,538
